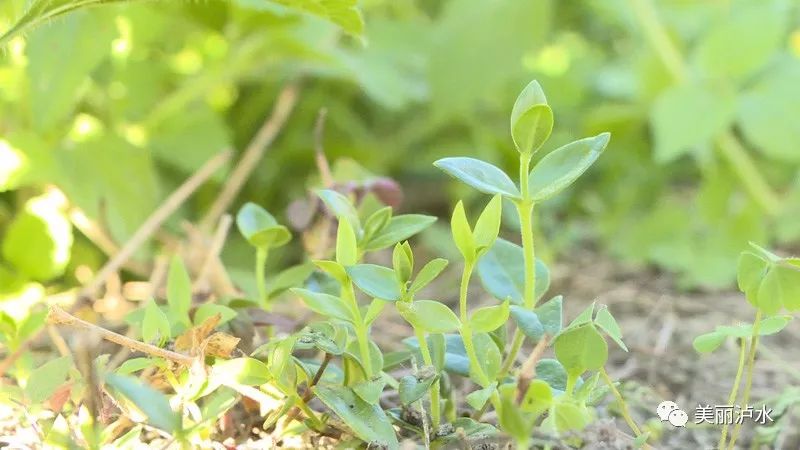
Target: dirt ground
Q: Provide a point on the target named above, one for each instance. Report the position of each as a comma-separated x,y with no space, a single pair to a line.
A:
659,326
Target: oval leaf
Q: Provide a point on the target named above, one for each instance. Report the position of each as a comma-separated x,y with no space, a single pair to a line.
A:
502,272
260,228
151,402
528,322
531,119
489,318
581,348
367,421
399,229
563,166
377,281
429,315
480,175
325,304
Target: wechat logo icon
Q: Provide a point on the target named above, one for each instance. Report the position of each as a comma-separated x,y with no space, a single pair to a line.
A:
670,412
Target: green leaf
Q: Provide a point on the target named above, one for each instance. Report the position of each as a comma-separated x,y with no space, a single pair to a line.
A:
134,365
780,287
207,310
370,391
57,74
375,307
427,274
767,110
480,175
334,269
568,416
344,13
38,242
531,119
455,360
437,344
462,233
325,304
403,262
376,281
553,373
260,228
151,402
45,379
281,364
581,348
367,421
346,244
528,322
561,167
341,207
179,289
245,371
489,356
509,416
538,398
476,399
393,360
743,41
488,225
412,388
429,315
750,272
288,278
585,316
399,229
323,336
489,318
42,11
502,272
550,315
687,117
155,324
707,343
377,222
773,325
607,323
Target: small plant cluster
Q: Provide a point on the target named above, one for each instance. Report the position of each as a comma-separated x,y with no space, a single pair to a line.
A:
771,284
336,361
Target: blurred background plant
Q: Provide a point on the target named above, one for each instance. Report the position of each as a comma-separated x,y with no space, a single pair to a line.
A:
105,110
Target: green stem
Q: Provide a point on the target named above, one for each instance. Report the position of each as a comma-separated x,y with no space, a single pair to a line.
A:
469,346
516,345
434,393
571,381
734,392
623,406
463,291
362,333
466,330
261,265
751,361
657,35
745,168
525,212
729,146
303,406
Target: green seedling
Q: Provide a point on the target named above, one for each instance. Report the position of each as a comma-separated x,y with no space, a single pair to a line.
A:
771,284
337,361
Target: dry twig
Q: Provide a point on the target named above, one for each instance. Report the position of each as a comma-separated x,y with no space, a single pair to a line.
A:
284,105
61,317
155,221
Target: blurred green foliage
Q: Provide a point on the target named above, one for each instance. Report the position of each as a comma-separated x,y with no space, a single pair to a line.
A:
118,103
